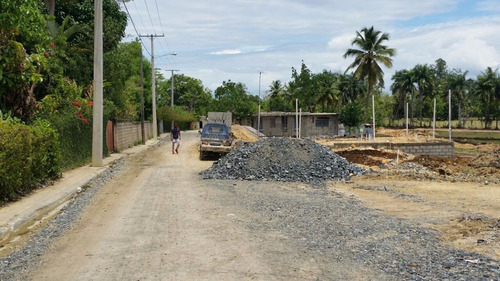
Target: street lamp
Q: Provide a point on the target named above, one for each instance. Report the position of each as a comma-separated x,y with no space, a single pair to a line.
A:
169,54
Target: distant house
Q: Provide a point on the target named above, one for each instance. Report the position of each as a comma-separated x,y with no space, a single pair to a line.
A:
282,124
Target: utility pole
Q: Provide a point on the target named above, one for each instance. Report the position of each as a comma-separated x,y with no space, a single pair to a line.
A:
172,94
97,111
142,102
258,117
153,86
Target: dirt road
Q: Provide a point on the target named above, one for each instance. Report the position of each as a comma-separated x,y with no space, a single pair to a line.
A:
160,221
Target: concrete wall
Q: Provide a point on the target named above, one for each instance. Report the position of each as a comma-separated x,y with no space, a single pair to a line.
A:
128,133
439,149
308,126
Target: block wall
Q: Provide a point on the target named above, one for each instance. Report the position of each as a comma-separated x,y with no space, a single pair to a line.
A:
128,133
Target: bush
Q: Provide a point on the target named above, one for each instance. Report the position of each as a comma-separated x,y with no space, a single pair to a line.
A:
75,140
28,155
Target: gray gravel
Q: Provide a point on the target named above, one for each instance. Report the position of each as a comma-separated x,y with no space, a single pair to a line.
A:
18,263
283,159
336,229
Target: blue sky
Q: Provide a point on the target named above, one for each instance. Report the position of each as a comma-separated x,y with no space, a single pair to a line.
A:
218,40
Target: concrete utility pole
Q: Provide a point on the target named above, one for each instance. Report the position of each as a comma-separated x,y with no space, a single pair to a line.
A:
373,115
97,118
449,114
143,135
153,86
172,94
258,117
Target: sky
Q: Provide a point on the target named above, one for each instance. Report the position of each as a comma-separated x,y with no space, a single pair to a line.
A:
221,40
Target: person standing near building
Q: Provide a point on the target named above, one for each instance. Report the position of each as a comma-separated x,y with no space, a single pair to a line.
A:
175,137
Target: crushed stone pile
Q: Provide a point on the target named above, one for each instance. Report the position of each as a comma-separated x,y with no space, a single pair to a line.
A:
283,159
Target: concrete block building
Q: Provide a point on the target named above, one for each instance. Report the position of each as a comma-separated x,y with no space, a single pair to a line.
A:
282,124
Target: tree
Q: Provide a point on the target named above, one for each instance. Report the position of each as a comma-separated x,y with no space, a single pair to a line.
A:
23,39
301,87
189,93
488,91
402,87
234,97
351,88
279,99
458,86
122,76
351,115
371,52
423,76
326,87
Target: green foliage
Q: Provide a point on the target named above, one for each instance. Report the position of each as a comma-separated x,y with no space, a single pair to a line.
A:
178,115
351,115
367,57
122,76
233,97
189,93
301,87
28,155
72,119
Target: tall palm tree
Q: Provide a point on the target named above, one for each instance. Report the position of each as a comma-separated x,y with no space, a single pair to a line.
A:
402,87
371,52
488,90
458,85
424,78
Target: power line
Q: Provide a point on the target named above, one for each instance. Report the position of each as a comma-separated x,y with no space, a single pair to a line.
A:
133,24
149,14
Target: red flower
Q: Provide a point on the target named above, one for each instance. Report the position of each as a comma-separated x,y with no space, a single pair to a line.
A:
52,44
80,115
47,54
85,121
76,104
91,103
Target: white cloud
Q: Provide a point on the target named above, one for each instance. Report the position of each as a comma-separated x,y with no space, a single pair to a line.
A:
488,6
220,40
227,52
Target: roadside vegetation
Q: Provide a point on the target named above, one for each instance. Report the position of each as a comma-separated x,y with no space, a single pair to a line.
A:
46,72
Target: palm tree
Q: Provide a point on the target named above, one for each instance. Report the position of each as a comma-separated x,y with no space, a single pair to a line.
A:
424,78
371,52
327,91
488,89
402,87
350,88
276,89
458,86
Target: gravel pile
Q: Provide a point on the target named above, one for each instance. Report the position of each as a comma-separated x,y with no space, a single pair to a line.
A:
283,159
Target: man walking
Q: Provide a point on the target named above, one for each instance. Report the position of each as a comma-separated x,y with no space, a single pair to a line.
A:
175,137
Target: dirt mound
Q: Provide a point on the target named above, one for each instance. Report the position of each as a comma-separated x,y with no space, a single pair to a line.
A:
282,159
243,134
368,157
